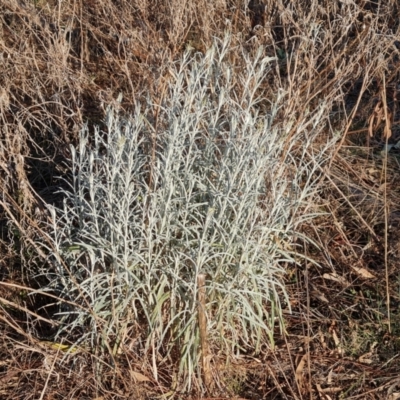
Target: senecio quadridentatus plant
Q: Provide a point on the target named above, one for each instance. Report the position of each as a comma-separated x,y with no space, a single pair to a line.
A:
209,191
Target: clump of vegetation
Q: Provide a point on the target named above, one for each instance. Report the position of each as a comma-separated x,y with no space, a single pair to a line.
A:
152,206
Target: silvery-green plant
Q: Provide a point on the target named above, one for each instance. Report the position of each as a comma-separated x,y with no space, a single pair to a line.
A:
206,189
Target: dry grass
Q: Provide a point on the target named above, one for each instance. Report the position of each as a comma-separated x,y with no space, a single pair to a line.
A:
63,63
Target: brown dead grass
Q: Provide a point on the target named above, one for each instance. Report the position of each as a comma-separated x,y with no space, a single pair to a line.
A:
61,63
